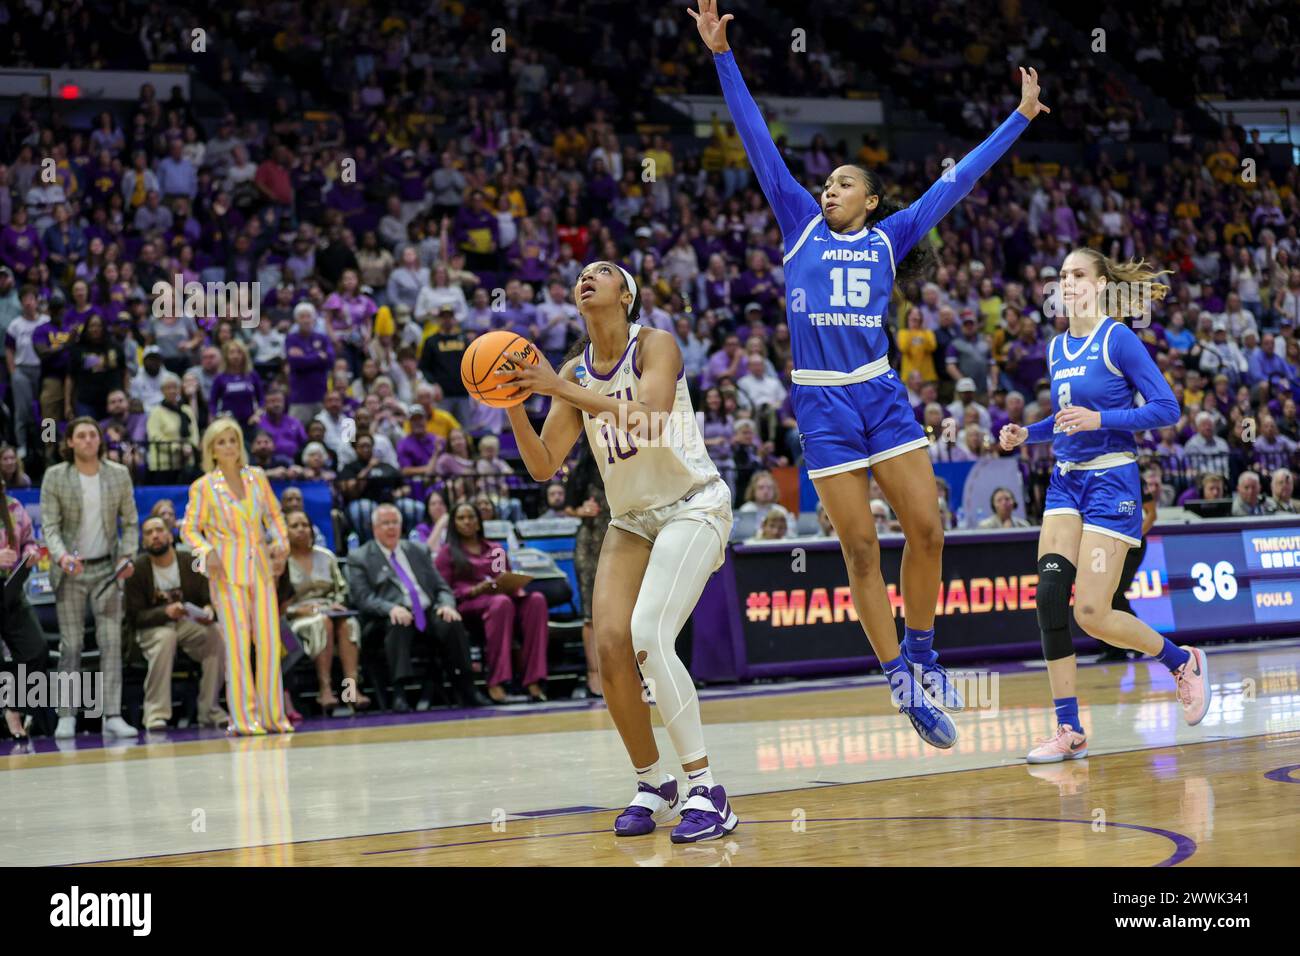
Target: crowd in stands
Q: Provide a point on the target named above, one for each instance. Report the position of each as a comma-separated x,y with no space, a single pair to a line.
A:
444,189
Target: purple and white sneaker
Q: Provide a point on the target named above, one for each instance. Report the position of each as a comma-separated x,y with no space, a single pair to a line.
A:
706,815
650,806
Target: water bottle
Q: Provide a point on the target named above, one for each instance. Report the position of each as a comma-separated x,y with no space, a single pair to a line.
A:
354,540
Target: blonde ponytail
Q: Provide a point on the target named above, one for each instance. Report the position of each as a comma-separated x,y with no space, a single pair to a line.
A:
1133,288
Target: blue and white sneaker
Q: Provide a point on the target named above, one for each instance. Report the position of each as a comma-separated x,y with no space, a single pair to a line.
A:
706,815
650,807
909,696
938,686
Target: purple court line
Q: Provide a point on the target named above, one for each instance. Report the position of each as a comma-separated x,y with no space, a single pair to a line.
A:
367,720
1284,774
1184,846
758,793
558,812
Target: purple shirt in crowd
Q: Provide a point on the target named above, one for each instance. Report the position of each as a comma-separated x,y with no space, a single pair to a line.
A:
416,451
55,365
309,368
288,434
240,395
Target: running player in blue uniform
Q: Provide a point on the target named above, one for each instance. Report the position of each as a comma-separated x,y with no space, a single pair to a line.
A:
842,260
1093,512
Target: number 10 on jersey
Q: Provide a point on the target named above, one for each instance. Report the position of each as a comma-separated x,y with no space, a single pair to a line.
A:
612,438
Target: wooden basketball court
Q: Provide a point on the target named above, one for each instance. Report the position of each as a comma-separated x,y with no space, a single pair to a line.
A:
818,773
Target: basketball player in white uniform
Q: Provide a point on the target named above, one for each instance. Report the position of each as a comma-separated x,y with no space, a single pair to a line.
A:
671,517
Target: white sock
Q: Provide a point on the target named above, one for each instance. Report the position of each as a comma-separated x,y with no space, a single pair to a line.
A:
649,774
699,778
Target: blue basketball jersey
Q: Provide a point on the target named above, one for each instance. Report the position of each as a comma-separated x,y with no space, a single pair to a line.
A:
1106,372
838,286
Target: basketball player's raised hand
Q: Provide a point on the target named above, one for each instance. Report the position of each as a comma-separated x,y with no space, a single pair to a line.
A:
539,379
1011,436
1029,105
713,30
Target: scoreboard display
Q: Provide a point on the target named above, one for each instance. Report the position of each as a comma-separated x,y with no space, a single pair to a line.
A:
1208,581
1214,579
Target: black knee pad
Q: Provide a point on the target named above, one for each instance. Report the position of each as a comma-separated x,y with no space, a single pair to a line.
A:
1055,582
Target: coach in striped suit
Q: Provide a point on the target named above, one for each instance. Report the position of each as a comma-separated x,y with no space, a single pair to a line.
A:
89,522
230,514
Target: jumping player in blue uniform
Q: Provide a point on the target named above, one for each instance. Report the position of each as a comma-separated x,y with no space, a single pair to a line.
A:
842,260
1093,512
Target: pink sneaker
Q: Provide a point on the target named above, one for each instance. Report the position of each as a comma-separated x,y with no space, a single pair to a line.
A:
1068,744
1193,680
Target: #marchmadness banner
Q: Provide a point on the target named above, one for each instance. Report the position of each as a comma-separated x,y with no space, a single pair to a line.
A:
794,609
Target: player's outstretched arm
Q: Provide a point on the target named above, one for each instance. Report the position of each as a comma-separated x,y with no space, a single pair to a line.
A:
544,454
907,226
792,204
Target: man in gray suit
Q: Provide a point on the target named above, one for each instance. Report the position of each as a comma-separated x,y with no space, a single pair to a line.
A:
89,521
398,590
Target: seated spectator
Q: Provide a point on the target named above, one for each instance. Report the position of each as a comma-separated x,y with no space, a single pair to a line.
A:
417,451
455,463
555,498
402,597
761,495
12,473
1247,500
775,526
472,564
366,482
717,427
286,432
880,512
1282,486
1206,450
262,454
320,593
824,527
193,398
1154,480
120,413
1209,486
154,606
291,500
165,509
1003,503
173,436
315,463
433,531
494,468
146,386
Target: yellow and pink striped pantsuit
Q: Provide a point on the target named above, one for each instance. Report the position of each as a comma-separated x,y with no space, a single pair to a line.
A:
232,531
248,614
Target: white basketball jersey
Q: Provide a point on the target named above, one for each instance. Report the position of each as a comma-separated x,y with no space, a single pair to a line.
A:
638,475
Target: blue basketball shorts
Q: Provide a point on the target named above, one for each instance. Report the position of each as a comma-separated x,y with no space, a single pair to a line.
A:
1108,500
846,427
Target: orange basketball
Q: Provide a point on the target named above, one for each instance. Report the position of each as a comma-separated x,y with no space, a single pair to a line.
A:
491,353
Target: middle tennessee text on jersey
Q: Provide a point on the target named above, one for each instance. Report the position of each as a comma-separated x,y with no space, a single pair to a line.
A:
1104,371
838,286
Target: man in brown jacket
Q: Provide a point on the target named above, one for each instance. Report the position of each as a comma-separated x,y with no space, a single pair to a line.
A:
155,598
